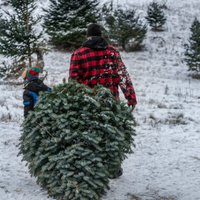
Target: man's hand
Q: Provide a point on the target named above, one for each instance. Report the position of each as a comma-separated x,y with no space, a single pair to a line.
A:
132,107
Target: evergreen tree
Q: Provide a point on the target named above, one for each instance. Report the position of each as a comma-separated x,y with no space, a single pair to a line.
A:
155,16
108,20
124,26
76,139
129,27
66,21
192,53
4,70
19,38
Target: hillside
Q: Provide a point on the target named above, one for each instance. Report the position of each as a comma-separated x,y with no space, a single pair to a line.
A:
166,160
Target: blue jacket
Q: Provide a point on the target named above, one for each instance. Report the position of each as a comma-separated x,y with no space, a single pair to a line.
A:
31,93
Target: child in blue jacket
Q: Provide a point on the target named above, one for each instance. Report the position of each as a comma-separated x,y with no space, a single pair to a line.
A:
32,86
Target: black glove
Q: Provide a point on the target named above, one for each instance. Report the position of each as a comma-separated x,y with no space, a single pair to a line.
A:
132,107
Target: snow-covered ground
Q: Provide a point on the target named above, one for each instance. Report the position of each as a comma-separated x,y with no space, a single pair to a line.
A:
166,161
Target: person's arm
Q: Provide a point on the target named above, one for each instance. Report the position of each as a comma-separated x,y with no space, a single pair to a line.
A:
125,82
75,71
40,86
45,88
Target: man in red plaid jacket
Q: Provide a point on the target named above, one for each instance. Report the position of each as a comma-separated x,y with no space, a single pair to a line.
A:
97,62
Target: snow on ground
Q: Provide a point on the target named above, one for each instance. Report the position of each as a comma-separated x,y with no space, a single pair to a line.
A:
166,161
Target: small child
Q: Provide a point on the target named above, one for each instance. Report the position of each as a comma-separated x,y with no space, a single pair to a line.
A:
32,86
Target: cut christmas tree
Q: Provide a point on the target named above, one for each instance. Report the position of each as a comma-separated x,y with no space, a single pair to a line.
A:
76,139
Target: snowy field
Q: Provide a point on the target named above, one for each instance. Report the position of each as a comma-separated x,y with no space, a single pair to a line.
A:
166,161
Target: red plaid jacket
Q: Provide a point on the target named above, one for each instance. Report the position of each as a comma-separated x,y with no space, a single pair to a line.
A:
96,62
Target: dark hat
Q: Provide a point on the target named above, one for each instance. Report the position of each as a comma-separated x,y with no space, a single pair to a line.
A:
94,30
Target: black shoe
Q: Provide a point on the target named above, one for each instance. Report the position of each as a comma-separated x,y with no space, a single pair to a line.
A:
118,174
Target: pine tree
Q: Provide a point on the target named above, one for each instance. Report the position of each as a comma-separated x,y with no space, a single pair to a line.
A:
155,16
129,27
4,70
192,53
19,37
66,21
108,19
76,139
124,26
